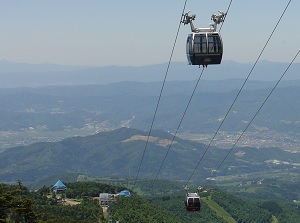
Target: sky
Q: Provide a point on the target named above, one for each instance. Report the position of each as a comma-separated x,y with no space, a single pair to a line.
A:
138,33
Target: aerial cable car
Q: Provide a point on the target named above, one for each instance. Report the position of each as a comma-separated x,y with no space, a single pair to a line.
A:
192,202
204,45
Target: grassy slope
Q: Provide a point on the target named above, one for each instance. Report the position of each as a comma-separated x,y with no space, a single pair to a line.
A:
219,210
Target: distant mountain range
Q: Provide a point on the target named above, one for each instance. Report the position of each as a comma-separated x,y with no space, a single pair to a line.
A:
33,75
132,104
119,153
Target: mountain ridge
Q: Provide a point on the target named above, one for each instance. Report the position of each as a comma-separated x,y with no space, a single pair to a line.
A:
111,154
36,75
51,113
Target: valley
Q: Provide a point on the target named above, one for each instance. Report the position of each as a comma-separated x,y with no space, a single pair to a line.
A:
98,133
50,114
286,141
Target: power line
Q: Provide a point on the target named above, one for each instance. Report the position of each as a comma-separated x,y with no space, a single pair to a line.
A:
239,92
257,112
174,136
184,113
164,81
225,15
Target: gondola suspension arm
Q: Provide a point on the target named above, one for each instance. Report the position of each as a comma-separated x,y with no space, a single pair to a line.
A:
188,19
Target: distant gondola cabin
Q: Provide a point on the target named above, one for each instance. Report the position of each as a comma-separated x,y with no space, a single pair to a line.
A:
192,202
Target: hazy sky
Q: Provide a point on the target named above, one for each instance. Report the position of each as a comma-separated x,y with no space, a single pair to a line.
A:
135,32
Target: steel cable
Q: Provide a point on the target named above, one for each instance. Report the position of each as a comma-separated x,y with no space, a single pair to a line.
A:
193,172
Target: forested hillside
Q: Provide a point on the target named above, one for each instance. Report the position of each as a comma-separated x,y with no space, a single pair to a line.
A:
18,204
118,153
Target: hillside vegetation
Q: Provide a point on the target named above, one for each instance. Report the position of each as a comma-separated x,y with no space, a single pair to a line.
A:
41,206
118,153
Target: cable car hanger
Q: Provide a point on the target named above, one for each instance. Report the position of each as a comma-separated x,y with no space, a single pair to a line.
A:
188,19
204,45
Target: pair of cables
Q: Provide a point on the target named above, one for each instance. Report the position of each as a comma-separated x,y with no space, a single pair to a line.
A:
256,113
247,78
189,179
159,98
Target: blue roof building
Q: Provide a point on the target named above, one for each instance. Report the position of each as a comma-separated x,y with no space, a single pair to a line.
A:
125,193
59,187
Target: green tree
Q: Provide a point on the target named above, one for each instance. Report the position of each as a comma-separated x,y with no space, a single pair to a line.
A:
7,201
15,207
